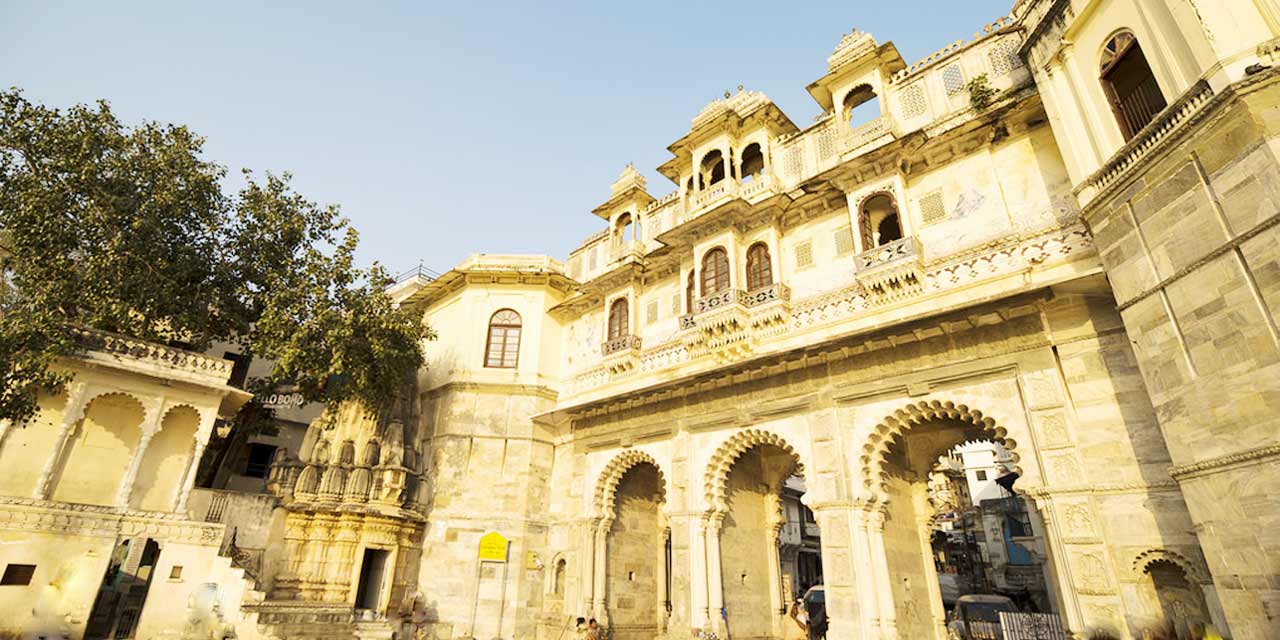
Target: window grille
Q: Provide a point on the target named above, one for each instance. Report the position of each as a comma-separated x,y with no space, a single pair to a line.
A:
503,348
932,208
913,102
804,255
715,271
844,240
619,323
759,269
1003,56
591,260
651,312
675,304
953,79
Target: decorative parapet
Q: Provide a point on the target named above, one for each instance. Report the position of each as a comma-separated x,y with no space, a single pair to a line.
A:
867,133
730,323
892,271
151,357
51,517
1165,126
620,354
617,345
630,249
989,30
711,196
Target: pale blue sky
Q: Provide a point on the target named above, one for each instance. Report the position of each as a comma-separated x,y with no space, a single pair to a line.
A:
445,129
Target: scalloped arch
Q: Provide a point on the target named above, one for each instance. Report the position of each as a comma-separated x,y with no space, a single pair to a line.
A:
717,483
607,485
1194,572
875,450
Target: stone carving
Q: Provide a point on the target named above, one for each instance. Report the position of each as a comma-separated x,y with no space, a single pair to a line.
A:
1079,521
1063,470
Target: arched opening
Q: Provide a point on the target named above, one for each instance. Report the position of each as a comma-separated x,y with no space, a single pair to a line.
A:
635,576
752,162
759,268
959,546
1130,85
123,590
502,351
861,105
619,323
166,460
768,540
879,221
715,271
1178,601
625,230
711,169
99,450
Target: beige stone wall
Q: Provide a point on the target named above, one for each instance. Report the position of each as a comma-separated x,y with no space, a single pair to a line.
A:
636,550
1189,241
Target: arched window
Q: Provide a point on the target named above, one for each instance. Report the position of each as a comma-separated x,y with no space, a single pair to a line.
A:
619,324
690,294
752,161
715,271
1130,85
503,349
624,228
712,168
879,221
759,270
861,106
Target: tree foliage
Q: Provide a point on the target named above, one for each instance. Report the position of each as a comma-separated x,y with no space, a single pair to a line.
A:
127,229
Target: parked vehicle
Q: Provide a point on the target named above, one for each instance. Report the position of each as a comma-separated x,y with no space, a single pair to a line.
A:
977,617
815,605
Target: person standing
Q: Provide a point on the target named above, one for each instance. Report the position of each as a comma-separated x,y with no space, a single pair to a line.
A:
795,625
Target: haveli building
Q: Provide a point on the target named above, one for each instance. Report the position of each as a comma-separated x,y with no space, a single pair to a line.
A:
1059,237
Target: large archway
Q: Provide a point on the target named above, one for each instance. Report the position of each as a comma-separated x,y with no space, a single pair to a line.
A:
631,495
949,529
754,485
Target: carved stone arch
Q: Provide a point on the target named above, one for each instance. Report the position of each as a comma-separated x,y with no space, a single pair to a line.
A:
876,448
607,486
721,463
1193,570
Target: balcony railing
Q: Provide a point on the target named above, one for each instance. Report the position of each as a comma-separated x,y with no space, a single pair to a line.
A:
628,249
776,292
151,353
686,322
721,300
866,133
619,345
887,254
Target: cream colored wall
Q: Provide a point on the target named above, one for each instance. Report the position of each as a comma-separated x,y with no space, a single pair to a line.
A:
69,569
99,451
25,450
462,322
166,460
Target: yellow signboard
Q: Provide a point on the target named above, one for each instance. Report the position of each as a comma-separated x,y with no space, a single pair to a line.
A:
493,547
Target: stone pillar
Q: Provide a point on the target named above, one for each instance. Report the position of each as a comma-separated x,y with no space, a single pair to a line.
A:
715,574
936,607
587,551
77,398
1059,569
880,565
189,477
150,425
602,571
864,572
777,600
698,579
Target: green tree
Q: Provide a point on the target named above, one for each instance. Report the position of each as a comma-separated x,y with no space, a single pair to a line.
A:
127,230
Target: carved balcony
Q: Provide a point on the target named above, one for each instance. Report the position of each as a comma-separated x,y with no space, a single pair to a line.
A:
619,354
865,134
152,358
892,271
628,250
728,324
620,345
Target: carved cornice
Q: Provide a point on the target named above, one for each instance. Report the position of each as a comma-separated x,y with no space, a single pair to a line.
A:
46,516
1222,463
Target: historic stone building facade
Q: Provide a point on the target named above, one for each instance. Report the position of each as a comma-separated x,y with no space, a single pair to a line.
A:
1059,236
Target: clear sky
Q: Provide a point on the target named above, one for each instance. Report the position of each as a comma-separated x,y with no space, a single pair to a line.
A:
445,129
